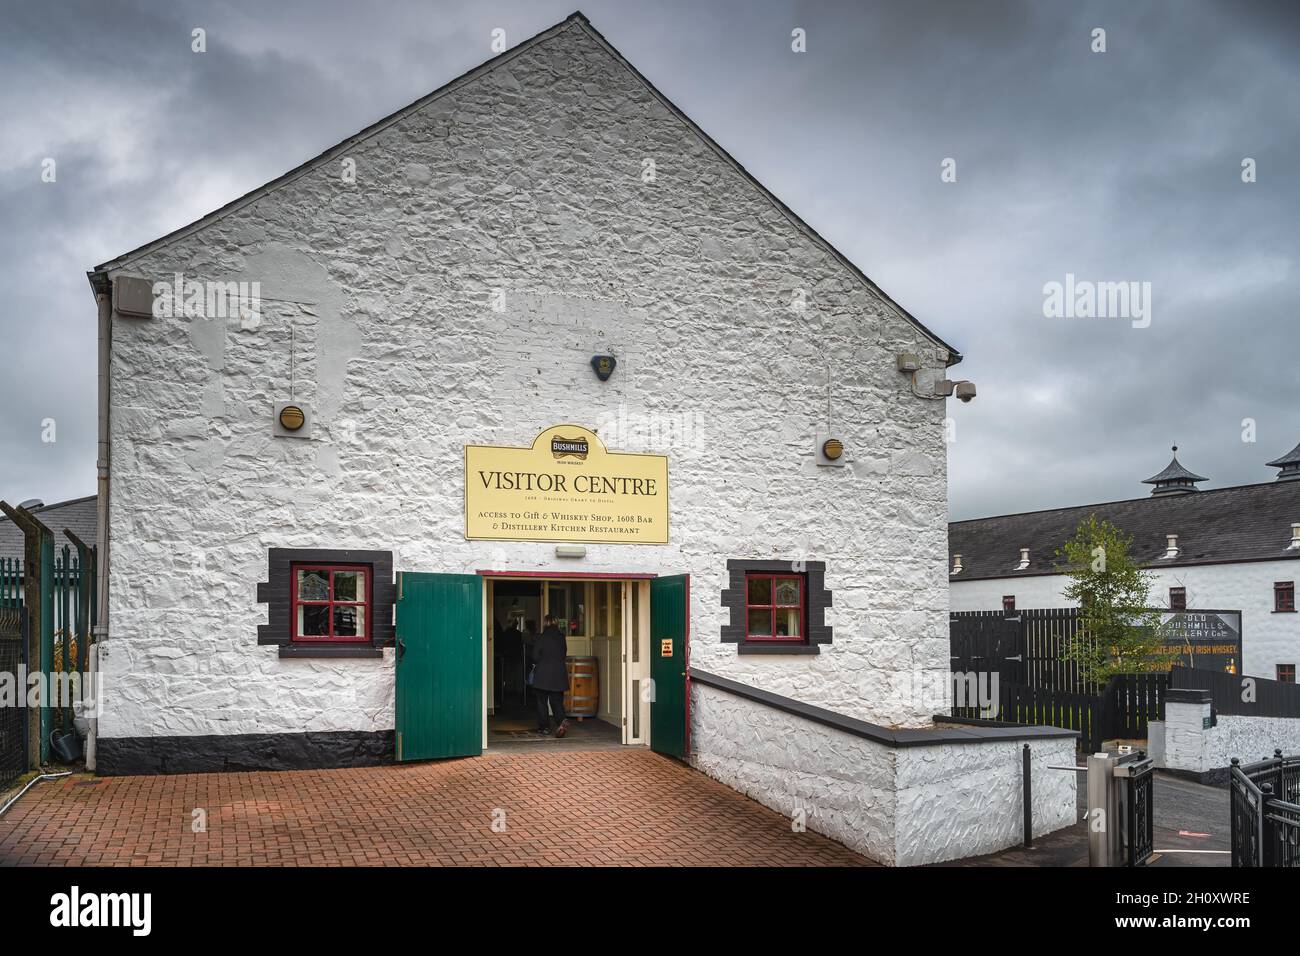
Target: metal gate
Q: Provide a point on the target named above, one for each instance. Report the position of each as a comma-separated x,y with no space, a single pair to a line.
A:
1139,823
1265,812
13,719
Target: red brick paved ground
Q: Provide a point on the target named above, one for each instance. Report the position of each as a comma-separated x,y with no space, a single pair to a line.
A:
620,807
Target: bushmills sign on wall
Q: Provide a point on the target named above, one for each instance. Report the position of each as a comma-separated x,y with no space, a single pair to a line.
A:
1210,640
565,487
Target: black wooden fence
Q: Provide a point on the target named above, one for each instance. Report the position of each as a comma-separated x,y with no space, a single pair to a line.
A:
1121,711
1034,640
1238,695
1038,685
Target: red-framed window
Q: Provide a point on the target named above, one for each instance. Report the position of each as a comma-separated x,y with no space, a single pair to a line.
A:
1008,604
1284,596
331,602
1178,599
774,607
1286,673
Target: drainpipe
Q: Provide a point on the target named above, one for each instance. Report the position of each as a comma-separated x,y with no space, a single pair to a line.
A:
104,300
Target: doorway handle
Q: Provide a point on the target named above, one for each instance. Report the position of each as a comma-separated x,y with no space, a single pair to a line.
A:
401,648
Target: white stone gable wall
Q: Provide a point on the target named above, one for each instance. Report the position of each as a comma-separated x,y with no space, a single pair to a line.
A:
526,180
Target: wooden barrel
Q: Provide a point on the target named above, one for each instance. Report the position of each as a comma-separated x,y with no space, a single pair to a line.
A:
582,699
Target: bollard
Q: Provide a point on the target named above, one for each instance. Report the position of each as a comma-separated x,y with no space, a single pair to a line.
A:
1029,802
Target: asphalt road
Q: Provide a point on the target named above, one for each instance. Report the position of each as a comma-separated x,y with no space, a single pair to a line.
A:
1190,818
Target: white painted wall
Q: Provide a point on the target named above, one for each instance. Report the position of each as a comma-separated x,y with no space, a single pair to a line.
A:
527,180
905,806
1268,638
1182,742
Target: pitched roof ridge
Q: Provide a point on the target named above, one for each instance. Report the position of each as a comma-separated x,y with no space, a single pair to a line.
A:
58,504
364,134
578,18
1145,499
954,355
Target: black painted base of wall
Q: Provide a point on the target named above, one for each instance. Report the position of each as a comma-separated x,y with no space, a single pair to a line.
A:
117,756
1220,777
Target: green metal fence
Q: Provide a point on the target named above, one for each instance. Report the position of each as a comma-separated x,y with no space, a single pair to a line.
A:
11,582
64,579
73,585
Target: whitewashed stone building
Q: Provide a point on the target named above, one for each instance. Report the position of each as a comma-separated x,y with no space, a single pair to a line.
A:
1229,549
437,291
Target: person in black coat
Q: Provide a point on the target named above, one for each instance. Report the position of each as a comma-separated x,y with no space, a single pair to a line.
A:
550,677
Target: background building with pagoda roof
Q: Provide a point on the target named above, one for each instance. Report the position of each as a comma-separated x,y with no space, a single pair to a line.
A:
1234,548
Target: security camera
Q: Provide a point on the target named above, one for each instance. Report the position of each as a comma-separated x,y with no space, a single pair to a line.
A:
965,391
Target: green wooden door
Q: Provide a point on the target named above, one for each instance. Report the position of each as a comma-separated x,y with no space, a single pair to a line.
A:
439,665
670,627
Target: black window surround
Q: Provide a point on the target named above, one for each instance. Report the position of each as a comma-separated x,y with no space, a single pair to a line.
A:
817,600
277,592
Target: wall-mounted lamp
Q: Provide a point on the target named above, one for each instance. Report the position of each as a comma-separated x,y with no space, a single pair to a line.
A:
833,448
292,420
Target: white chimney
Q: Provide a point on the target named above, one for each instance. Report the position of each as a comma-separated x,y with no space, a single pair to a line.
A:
1295,534
1171,546
1024,559
956,564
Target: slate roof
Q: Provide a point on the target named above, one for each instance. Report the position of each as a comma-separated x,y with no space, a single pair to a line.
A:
1243,523
81,515
1174,471
1290,458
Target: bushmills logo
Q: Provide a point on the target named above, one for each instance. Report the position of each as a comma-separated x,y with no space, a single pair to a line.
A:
570,447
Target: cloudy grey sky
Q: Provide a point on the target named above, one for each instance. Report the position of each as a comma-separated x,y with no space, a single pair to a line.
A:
1115,166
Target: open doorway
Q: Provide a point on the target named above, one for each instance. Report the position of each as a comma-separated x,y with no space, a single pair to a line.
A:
606,625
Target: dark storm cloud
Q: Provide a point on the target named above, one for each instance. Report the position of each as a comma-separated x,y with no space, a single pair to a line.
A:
1116,166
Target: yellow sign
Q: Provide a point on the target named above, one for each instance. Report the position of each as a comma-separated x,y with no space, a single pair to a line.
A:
566,487
666,647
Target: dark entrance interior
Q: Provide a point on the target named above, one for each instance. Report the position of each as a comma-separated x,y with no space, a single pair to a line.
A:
518,608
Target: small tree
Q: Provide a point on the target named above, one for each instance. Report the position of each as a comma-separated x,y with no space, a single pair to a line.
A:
1121,633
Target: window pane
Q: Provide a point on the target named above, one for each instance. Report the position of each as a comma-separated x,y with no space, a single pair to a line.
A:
313,585
578,610
760,590
635,704
602,610
787,591
787,622
636,625
349,620
313,620
349,586
760,622
555,604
